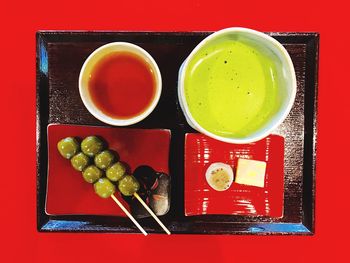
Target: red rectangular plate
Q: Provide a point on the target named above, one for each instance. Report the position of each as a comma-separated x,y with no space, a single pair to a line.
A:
201,199
69,194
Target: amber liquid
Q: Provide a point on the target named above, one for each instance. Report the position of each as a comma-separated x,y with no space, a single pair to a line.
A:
122,85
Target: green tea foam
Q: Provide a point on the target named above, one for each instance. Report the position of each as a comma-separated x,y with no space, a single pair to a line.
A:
232,87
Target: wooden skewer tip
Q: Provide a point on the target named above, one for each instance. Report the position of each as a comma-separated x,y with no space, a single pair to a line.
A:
129,215
151,213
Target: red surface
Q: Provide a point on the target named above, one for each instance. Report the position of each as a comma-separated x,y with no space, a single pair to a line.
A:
20,20
68,193
200,198
127,80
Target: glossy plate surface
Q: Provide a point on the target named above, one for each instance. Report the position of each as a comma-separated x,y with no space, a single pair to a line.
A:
239,199
69,194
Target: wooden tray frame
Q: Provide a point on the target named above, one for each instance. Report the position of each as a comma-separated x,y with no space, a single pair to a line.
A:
59,102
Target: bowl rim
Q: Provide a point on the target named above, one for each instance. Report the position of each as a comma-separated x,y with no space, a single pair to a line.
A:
270,128
94,110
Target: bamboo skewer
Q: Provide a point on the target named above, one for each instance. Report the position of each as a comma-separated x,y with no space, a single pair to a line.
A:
151,213
129,215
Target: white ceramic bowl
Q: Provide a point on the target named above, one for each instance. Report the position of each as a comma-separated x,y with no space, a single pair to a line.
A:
288,79
88,66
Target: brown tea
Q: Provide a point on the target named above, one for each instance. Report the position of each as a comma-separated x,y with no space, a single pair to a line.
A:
122,85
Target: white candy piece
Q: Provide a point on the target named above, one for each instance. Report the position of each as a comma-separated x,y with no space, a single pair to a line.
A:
219,176
251,172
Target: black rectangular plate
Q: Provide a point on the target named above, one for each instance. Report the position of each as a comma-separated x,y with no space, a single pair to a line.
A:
60,56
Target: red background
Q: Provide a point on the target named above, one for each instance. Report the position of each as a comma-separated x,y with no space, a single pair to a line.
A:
20,21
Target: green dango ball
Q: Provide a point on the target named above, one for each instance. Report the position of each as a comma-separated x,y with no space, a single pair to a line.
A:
128,185
91,174
116,172
104,188
80,161
68,147
104,159
91,146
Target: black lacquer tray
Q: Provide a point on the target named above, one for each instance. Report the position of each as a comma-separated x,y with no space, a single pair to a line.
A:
60,56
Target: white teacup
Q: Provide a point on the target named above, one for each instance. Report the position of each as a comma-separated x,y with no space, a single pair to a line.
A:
88,67
287,80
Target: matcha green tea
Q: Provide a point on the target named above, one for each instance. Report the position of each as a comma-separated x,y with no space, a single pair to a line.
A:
231,87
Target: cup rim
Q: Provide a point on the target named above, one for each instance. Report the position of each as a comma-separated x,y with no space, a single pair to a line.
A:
270,128
94,110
